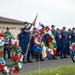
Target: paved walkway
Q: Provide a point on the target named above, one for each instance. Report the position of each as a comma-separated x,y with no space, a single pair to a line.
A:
45,64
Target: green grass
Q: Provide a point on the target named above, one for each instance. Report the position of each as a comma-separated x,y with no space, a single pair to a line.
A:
63,70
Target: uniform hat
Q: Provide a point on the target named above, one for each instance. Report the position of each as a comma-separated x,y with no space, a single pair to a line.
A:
7,28
57,28
73,28
69,29
64,27
52,25
27,22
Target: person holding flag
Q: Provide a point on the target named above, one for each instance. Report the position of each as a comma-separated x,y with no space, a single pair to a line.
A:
26,32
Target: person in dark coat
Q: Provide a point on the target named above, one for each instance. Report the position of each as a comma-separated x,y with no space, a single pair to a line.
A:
26,40
6,49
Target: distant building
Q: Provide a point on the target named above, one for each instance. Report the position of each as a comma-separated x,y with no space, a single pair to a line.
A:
14,25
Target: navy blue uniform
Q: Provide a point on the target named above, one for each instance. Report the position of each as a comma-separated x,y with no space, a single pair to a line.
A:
26,41
73,37
59,42
63,51
68,40
54,33
21,37
5,47
32,45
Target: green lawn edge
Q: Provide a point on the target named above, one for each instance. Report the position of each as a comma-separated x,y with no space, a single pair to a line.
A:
61,70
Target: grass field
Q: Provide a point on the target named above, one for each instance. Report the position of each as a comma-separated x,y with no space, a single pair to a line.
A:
63,70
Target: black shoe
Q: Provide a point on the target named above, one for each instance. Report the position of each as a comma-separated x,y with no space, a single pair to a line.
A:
9,57
24,61
29,61
54,58
61,57
37,60
42,60
48,58
65,57
4,57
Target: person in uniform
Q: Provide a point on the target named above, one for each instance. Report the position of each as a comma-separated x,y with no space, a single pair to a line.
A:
63,51
69,40
26,41
73,35
20,37
53,33
6,49
58,41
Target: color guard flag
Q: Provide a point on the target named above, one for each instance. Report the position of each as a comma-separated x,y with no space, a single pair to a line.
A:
35,20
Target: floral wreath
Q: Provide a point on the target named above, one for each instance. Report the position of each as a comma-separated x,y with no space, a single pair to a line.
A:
72,51
16,55
46,51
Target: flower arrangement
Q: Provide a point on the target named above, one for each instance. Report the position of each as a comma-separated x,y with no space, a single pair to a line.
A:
47,51
72,51
16,55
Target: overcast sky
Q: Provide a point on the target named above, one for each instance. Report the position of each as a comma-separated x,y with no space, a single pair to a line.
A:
58,12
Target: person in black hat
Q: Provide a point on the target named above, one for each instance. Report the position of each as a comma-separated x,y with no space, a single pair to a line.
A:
69,40
58,41
26,41
73,35
20,37
63,50
5,48
53,33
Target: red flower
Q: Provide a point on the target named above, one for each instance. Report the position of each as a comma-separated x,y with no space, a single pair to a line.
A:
1,35
50,39
16,44
1,52
54,51
41,31
73,47
16,58
15,71
1,67
46,53
47,27
13,56
9,42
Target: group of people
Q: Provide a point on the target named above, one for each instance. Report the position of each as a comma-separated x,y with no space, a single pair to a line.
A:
62,37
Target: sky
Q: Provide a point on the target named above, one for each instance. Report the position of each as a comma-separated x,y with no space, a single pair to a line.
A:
58,12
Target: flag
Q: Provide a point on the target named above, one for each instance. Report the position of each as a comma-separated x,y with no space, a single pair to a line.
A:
35,20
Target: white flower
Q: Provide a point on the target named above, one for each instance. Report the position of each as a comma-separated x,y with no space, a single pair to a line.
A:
21,59
1,42
6,69
44,48
20,65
